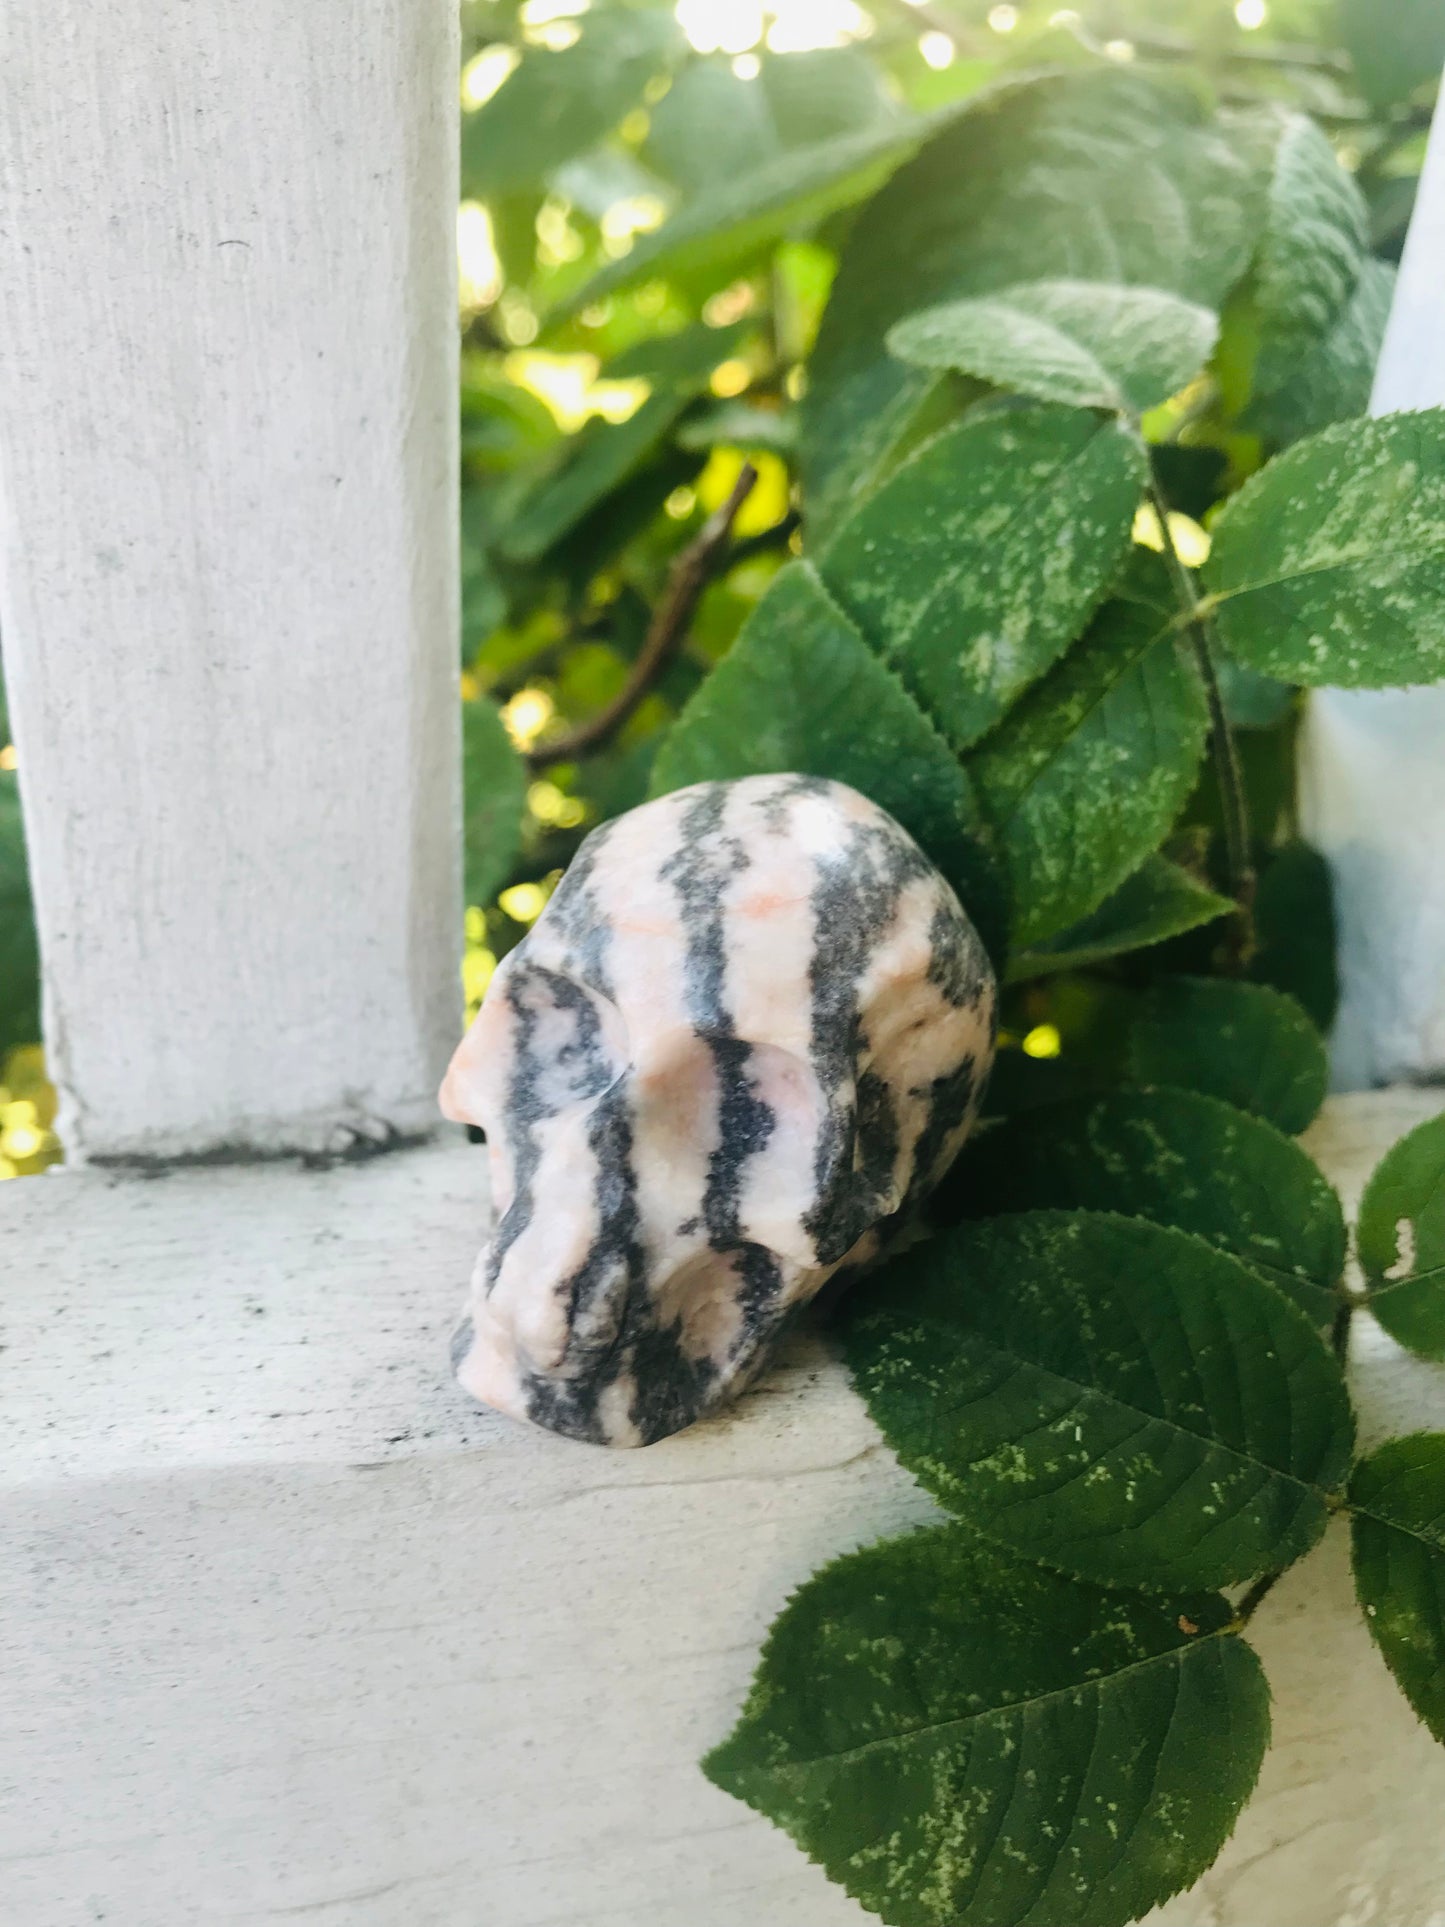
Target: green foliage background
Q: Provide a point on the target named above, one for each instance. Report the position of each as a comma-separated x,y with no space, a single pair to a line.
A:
653,233
1048,334
651,229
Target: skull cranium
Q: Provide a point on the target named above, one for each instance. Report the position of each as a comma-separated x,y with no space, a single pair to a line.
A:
750,1028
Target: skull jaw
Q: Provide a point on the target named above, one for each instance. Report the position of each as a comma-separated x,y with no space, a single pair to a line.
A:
635,1407
658,1373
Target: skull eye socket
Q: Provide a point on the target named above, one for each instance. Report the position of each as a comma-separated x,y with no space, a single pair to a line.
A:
569,1042
542,1043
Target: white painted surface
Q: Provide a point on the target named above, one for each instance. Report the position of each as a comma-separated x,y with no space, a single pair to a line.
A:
1372,797
289,1630
1411,373
228,557
1372,763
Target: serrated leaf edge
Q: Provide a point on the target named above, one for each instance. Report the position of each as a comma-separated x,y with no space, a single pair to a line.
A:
1331,1497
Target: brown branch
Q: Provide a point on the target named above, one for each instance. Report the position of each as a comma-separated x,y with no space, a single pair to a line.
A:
665,633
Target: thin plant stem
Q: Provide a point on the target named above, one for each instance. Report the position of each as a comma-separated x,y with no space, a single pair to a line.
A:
1340,1330
776,536
1239,867
665,634
1256,1596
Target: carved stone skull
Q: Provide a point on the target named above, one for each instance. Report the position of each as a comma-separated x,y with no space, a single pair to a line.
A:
749,1030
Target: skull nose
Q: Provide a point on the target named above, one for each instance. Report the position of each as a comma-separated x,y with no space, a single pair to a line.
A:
524,1330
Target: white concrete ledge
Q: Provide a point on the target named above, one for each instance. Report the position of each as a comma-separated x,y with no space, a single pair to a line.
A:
287,1629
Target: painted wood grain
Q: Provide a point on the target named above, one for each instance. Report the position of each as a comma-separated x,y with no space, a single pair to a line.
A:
228,558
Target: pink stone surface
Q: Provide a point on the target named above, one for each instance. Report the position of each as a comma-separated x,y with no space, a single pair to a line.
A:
751,1028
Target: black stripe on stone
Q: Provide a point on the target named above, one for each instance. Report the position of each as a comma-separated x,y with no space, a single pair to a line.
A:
773,808
701,869
948,1098
539,1085
610,1280
612,1325
577,916
855,901
959,965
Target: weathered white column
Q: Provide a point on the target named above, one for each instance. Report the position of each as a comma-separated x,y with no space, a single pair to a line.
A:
227,558
1372,769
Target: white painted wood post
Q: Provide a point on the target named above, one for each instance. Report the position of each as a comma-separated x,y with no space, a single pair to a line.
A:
1372,769
228,559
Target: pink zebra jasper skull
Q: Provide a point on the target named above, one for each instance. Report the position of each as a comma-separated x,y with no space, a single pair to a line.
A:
751,1027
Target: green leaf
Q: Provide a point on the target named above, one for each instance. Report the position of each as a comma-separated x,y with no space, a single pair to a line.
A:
958,1740
824,93
1085,776
1312,250
484,595
1088,343
1190,479
502,423
1397,1498
1102,176
557,105
1269,768
1245,1043
801,691
712,125
1294,921
19,952
591,465
594,182
616,783
985,553
740,424
596,541
1331,381
1401,1240
494,792
684,359
1106,1395
714,235
1177,1158
1251,701
1396,48
1392,203
1329,565
1160,900
590,473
